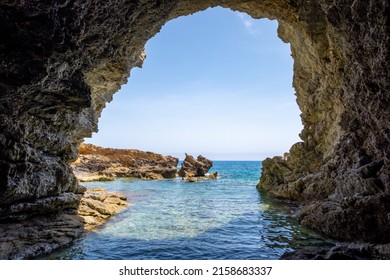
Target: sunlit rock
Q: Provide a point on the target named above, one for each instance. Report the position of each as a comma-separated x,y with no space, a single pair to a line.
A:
97,205
192,167
105,164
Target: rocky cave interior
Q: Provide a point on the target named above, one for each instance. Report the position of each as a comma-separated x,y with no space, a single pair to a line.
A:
62,61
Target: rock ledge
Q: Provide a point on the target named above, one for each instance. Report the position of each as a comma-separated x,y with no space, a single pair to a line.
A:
105,164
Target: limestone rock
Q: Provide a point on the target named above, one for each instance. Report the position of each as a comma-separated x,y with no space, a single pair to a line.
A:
192,167
104,164
351,251
97,205
42,234
213,175
23,210
62,61
39,235
190,179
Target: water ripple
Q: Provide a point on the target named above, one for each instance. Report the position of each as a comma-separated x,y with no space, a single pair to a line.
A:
217,219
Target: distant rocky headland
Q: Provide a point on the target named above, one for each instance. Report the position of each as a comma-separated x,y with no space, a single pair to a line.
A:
105,164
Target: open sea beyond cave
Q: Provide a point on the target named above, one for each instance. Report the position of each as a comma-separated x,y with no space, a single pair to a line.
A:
226,218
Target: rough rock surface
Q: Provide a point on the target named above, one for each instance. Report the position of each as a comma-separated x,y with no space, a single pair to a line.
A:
42,234
351,251
61,62
192,167
102,164
213,175
97,205
39,235
340,173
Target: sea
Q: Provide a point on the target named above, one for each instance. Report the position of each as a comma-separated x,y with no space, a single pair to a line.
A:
227,218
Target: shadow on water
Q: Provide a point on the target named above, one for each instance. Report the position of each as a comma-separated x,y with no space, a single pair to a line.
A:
264,234
217,219
286,228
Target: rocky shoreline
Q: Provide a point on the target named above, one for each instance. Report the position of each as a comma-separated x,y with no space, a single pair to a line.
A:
34,235
105,164
42,235
97,205
342,251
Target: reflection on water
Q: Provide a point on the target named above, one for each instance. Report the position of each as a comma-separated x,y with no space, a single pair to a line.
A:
215,219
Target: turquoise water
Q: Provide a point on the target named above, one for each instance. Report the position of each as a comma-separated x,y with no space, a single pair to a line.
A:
213,219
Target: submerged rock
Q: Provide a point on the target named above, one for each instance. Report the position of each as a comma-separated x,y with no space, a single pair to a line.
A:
190,179
192,167
213,175
105,164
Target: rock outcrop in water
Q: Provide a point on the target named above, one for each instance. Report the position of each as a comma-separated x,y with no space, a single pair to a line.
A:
192,167
102,164
97,205
61,62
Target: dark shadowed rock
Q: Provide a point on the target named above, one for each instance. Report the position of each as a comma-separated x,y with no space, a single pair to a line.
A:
192,167
43,234
39,235
351,251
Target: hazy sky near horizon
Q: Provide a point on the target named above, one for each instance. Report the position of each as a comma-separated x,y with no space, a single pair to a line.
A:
216,83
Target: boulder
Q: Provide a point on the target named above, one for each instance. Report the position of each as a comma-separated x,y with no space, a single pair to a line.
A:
192,167
97,205
190,179
213,175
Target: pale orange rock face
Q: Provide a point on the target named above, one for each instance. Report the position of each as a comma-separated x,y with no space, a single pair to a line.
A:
105,164
97,205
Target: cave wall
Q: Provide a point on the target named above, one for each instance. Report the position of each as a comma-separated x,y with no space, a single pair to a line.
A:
339,174
62,61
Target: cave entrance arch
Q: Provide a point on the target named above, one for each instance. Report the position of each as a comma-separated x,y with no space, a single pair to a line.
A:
308,27
63,61
216,83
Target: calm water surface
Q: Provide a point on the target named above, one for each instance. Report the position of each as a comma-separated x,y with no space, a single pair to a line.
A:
212,219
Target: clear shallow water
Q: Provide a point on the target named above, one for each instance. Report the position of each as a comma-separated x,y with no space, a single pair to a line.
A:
212,219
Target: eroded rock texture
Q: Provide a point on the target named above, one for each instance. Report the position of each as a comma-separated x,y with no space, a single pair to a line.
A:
340,174
192,167
97,164
42,234
351,251
39,235
97,205
61,62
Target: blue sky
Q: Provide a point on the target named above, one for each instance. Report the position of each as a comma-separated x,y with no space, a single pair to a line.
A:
216,83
